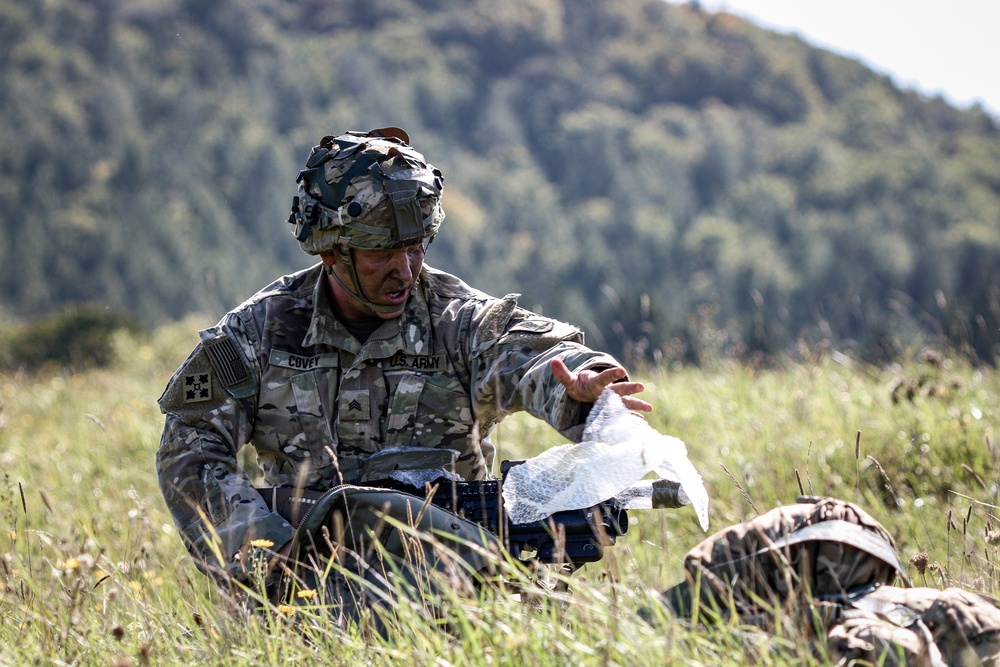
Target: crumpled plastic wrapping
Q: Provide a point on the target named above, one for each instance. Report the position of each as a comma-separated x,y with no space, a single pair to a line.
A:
617,450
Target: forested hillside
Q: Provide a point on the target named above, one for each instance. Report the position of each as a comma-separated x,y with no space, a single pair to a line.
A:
679,182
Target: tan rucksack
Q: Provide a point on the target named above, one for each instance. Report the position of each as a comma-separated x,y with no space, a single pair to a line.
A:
817,548
828,567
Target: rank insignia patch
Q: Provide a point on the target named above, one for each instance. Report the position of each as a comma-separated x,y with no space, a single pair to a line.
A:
197,387
354,406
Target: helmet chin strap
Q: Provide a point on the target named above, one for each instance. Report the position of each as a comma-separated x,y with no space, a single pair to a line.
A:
356,293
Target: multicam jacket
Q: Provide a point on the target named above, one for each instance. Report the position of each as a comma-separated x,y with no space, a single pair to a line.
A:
281,372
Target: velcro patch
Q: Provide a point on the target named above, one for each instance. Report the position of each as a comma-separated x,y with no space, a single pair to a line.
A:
197,387
494,322
194,391
540,333
300,362
535,325
355,406
421,363
227,360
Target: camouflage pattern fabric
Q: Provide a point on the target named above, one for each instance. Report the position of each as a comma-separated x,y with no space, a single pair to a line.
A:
918,626
366,190
281,372
743,568
834,591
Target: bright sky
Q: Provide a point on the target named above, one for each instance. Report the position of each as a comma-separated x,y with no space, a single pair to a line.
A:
946,47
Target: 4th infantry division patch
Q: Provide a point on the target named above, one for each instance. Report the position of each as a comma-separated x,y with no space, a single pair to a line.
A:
197,387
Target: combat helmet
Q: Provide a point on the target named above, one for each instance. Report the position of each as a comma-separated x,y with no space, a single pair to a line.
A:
368,190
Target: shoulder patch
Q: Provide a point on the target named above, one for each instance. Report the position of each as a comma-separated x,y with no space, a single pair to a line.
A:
232,370
535,325
494,322
228,362
540,333
194,390
197,387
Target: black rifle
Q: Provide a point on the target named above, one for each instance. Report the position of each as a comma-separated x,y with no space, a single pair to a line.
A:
571,537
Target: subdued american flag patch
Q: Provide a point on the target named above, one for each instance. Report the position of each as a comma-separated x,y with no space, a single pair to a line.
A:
227,360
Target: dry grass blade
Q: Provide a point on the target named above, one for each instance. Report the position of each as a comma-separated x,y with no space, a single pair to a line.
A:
979,480
746,496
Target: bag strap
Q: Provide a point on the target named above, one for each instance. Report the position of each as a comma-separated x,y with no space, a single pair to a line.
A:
291,503
895,613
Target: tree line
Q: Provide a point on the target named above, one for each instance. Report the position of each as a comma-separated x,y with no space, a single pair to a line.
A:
681,183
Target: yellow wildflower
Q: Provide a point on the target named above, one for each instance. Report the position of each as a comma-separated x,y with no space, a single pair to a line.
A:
306,594
71,564
288,610
263,544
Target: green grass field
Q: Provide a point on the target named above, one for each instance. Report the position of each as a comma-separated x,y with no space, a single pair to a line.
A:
94,573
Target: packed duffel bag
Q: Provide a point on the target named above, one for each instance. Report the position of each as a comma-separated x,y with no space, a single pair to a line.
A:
817,548
828,568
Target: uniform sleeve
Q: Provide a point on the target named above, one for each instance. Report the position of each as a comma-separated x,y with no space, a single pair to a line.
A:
510,362
209,405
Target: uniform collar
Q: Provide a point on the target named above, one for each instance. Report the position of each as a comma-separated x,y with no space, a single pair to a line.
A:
410,333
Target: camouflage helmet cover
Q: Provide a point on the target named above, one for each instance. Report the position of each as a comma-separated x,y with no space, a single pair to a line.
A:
366,190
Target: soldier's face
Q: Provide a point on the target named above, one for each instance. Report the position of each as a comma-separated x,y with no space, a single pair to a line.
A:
386,277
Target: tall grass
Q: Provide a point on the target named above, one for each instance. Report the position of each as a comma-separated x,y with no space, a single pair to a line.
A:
92,571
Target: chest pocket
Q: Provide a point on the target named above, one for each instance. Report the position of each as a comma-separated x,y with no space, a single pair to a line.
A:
403,411
312,418
292,429
429,410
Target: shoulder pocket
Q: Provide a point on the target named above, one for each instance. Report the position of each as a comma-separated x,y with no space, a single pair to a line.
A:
194,390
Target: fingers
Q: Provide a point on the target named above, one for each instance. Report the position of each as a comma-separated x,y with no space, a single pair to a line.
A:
561,372
626,391
610,375
586,386
636,404
627,388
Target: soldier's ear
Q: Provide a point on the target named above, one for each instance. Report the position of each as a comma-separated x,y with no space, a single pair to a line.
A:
329,259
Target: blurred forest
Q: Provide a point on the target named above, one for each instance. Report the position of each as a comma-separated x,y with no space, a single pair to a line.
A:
680,183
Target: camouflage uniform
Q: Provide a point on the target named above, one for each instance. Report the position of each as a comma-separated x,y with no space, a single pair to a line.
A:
280,371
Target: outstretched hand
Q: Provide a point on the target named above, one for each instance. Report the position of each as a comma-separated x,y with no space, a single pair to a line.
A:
586,386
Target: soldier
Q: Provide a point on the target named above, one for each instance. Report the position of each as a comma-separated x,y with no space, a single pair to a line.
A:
368,351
